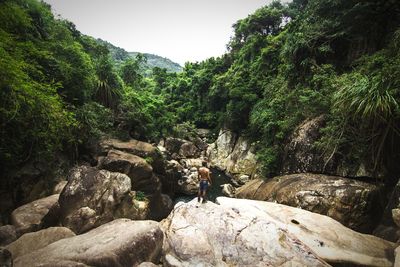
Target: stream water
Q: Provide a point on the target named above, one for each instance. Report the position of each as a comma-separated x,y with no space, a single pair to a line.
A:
218,178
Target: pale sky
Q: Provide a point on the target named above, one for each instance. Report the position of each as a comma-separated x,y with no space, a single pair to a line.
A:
181,30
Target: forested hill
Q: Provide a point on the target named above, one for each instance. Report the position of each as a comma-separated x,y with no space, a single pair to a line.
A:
339,59
160,62
120,55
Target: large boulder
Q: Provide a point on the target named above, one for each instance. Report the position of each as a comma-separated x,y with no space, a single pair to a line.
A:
33,241
29,217
8,234
213,235
138,148
233,154
92,197
140,172
173,145
329,239
189,183
121,242
189,150
353,203
302,155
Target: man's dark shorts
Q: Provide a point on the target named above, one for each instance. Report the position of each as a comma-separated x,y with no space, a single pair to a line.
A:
203,185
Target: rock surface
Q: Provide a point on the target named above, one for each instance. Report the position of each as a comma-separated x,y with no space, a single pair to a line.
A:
233,154
301,155
33,241
7,235
59,187
189,150
228,190
328,238
213,235
92,198
140,172
138,148
28,218
353,203
121,242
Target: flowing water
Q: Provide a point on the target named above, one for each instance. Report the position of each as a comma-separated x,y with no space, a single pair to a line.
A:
218,178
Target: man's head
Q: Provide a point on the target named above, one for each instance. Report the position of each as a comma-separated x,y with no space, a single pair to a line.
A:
204,163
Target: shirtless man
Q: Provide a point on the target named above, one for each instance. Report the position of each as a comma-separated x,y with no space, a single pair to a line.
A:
205,178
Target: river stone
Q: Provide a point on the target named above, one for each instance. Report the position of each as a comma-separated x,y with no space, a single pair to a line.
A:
28,218
138,148
7,235
140,172
188,163
353,203
33,241
189,150
328,238
121,242
234,155
228,190
173,145
92,198
212,235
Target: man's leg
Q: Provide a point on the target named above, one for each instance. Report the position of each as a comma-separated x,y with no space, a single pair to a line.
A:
204,196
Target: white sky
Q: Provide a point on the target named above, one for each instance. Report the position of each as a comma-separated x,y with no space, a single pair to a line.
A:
181,30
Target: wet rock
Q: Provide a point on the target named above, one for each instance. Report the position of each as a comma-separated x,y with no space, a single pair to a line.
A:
33,241
353,203
29,217
121,242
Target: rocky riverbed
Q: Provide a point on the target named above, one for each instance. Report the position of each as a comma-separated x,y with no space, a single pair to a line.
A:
120,213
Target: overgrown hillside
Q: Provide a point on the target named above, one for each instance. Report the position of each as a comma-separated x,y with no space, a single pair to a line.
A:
119,55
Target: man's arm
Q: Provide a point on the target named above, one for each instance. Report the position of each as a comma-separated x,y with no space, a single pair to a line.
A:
209,177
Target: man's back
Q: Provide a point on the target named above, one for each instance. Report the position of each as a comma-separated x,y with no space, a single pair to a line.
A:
204,173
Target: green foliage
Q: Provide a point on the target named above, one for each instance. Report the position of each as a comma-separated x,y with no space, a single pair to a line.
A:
140,196
95,121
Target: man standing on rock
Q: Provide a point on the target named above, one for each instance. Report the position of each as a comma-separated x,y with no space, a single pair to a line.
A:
205,178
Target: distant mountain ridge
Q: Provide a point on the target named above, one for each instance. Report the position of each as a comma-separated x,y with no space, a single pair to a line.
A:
119,55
